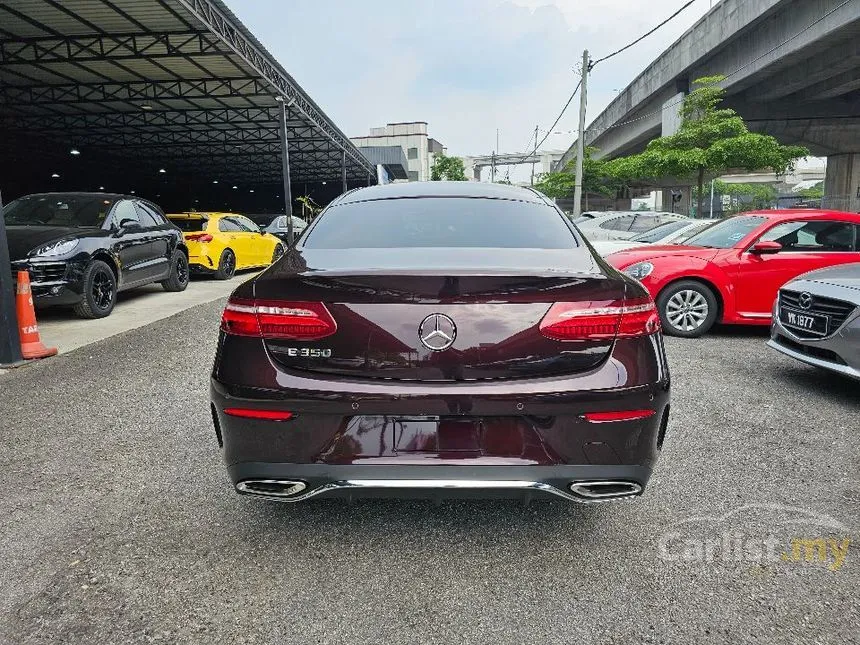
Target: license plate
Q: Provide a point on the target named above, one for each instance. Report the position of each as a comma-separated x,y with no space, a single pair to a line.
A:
811,323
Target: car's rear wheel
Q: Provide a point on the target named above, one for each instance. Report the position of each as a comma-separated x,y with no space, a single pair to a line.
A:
178,279
226,265
687,309
99,294
278,253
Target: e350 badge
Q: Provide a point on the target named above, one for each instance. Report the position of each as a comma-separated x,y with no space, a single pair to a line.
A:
307,352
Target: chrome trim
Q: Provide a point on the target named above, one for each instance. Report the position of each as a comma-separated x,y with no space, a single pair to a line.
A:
291,488
585,489
442,484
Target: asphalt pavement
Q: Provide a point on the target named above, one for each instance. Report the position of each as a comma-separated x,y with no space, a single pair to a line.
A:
118,524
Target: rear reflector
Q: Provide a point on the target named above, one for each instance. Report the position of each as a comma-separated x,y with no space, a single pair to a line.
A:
276,319
611,417
250,413
199,237
600,320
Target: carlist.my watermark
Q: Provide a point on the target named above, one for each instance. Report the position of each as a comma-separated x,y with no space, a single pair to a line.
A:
793,536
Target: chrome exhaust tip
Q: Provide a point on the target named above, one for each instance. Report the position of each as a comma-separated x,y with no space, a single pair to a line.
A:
276,488
605,489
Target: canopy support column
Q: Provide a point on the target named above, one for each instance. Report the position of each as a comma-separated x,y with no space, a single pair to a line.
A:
285,170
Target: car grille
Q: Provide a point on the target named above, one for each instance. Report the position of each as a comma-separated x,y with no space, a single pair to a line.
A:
838,310
47,272
810,350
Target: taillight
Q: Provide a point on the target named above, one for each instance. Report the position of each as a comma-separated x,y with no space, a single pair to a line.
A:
618,415
276,319
199,237
604,320
251,413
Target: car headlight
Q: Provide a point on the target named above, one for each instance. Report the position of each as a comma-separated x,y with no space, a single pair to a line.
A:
57,248
639,270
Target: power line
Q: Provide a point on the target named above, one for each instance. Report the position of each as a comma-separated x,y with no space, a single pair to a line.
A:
737,71
643,37
561,114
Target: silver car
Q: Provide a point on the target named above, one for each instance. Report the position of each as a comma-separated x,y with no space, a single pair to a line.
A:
816,319
621,225
669,233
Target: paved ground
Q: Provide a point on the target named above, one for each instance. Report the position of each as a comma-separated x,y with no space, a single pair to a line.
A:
118,525
61,328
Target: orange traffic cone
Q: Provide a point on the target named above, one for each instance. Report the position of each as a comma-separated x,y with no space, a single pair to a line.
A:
31,342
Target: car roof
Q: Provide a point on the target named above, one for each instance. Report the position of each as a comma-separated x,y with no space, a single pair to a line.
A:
464,189
82,193
810,213
203,214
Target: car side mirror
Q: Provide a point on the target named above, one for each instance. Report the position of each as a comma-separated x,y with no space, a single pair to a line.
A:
766,247
127,225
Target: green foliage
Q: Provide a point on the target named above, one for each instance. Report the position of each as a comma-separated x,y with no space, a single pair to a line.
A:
749,196
310,209
447,169
814,192
597,179
710,140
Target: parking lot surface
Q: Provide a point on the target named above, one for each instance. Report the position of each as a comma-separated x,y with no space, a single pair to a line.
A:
119,524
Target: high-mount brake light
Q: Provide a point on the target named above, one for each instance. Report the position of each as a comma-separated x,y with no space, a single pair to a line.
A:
277,319
602,320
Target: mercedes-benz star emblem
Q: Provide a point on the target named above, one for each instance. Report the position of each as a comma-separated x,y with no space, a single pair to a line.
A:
437,332
805,300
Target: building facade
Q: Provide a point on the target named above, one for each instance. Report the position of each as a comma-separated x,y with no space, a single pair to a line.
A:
419,148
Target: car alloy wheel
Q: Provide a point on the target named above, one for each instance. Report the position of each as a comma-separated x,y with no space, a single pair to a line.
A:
102,290
181,269
687,310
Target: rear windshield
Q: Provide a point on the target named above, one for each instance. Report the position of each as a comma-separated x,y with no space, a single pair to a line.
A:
660,232
189,225
440,222
84,211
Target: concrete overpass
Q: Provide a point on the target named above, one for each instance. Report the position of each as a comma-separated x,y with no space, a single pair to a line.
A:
793,70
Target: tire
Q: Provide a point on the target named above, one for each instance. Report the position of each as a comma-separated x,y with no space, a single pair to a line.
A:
226,265
178,278
99,291
278,253
687,309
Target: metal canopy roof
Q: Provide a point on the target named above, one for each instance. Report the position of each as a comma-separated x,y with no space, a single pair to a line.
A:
150,84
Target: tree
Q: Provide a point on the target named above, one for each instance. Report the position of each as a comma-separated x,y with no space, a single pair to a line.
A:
710,140
447,169
813,192
597,179
746,196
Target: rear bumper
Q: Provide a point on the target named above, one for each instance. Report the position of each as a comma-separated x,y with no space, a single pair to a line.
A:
591,483
506,438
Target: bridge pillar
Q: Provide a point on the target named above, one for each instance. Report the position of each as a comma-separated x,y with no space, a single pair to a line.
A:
842,183
476,172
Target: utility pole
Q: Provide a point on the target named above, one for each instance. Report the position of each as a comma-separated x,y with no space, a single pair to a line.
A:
580,143
712,199
493,168
535,152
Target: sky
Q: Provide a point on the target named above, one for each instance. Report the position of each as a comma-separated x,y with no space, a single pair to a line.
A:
466,67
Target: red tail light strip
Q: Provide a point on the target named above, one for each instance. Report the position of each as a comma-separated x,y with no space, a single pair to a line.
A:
199,237
271,319
267,415
615,416
567,321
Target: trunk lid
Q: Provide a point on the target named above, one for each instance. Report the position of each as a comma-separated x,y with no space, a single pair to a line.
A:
385,301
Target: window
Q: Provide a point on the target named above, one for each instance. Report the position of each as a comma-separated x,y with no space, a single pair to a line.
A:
644,223
660,232
58,210
147,217
245,224
727,233
154,212
227,225
618,223
432,222
412,153
818,236
190,224
412,175
125,211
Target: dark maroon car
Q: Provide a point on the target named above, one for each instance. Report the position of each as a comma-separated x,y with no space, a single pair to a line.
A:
440,338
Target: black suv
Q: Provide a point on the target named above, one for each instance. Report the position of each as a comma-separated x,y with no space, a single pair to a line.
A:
82,248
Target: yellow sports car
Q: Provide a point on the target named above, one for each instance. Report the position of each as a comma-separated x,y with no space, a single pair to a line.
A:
221,243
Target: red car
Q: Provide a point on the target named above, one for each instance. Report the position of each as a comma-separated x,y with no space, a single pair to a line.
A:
731,272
